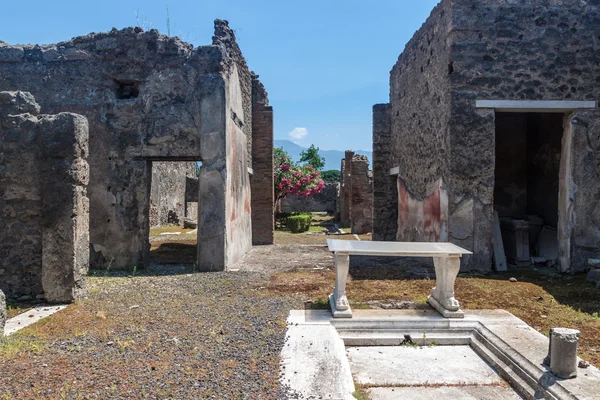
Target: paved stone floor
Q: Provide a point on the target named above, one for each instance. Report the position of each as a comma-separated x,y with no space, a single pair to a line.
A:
430,372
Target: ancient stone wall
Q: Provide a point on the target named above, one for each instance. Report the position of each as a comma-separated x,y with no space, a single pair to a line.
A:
355,194
168,192
385,194
320,202
361,197
191,197
465,51
149,97
44,210
346,188
263,196
529,50
579,190
339,207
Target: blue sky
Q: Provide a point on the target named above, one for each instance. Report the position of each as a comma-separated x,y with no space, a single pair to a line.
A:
324,63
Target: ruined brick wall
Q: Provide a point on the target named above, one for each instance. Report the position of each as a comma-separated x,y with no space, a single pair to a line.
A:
385,194
168,192
361,197
44,211
149,97
263,195
320,202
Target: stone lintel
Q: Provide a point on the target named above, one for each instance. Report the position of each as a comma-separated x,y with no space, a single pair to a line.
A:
395,171
548,106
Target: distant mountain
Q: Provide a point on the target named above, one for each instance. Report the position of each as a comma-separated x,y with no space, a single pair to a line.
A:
333,158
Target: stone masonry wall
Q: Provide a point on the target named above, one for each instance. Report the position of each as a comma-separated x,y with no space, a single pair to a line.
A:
149,97
346,188
262,178
385,194
469,50
320,202
44,219
191,197
361,198
168,192
534,50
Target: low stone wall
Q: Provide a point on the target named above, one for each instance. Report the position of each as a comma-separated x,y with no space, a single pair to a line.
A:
44,208
321,202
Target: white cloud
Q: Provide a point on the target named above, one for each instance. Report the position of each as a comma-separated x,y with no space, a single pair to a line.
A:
299,133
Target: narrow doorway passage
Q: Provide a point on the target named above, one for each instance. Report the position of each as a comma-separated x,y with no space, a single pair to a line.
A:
528,152
173,212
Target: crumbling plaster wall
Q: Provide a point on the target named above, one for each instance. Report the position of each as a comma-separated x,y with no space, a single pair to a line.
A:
44,209
147,98
168,193
469,50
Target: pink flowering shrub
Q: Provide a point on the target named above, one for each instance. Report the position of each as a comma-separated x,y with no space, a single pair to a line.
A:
298,180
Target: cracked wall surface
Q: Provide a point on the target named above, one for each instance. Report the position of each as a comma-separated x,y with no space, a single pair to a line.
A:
468,50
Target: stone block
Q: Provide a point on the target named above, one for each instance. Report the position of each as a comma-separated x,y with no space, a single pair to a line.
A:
64,135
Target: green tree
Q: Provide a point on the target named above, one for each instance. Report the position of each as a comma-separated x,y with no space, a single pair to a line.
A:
311,156
331,175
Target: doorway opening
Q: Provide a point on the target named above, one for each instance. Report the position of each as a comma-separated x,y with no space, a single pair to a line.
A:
526,189
173,212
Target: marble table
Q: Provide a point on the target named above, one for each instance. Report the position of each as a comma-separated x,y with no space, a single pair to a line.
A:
446,259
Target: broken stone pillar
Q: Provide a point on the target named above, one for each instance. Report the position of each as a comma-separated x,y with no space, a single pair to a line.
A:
361,196
346,188
562,352
2,312
63,140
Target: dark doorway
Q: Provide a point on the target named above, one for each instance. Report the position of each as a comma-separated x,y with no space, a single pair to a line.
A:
528,151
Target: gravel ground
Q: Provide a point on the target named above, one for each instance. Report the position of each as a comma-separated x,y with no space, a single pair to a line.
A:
162,335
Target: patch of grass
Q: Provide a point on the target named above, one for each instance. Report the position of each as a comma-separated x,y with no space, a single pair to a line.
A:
360,392
14,345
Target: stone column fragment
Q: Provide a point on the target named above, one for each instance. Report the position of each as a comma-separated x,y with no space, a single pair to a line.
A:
563,352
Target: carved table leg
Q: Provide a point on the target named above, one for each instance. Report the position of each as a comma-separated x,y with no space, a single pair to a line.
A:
442,295
338,300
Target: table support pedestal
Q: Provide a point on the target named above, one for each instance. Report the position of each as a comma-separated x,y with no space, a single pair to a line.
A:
442,295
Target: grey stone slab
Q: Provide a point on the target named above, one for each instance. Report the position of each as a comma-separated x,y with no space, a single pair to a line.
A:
407,365
314,363
444,392
30,317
